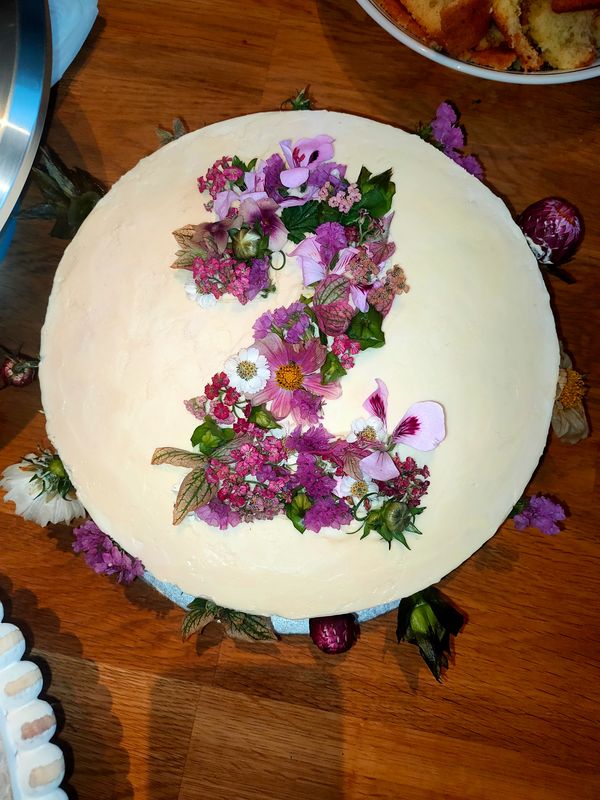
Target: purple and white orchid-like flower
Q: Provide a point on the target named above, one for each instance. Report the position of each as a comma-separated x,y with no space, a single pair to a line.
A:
303,157
264,212
422,427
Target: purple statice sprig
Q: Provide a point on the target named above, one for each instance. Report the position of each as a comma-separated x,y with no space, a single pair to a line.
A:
103,555
447,135
291,323
539,512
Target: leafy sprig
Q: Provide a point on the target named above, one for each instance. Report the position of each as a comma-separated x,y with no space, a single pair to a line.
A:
236,624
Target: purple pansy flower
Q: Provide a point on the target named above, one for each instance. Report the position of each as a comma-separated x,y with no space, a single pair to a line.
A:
541,513
265,213
422,427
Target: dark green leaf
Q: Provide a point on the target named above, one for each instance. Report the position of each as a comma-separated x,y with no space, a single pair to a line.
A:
332,369
194,492
208,436
300,220
177,457
365,327
80,207
263,418
377,192
427,619
301,102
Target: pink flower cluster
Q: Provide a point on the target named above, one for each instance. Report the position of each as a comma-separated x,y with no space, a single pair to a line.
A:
342,200
219,275
344,348
220,400
410,485
253,481
218,176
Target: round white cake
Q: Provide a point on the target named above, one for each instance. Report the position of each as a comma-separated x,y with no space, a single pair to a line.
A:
123,346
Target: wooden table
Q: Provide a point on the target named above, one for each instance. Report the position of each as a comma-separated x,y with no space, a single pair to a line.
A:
145,716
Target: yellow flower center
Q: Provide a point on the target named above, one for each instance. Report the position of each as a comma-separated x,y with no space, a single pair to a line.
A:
289,376
369,434
573,390
246,370
359,489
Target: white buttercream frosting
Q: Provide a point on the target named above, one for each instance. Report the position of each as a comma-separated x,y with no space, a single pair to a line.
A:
122,348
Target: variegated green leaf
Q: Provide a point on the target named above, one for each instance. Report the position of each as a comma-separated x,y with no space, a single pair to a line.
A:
193,493
184,235
247,627
200,613
178,457
184,259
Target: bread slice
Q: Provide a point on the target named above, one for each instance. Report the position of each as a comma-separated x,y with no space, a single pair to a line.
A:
562,6
456,25
494,57
566,40
507,16
400,16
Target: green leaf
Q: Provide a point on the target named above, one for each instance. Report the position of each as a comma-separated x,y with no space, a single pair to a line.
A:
201,612
237,624
194,492
247,627
300,220
427,619
332,369
208,436
365,328
301,102
177,457
297,508
377,192
80,207
263,418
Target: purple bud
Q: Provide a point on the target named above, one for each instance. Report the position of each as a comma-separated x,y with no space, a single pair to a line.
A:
334,634
553,228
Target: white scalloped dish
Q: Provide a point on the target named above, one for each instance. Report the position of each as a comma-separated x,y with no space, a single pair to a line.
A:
31,766
551,76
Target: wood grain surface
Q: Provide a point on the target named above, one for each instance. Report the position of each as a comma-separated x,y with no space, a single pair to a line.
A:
143,715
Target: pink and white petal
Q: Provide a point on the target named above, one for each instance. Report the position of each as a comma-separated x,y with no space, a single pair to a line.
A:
281,403
293,178
331,391
286,146
305,149
380,466
223,202
345,255
308,248
422,427
279,234
311,357
376,403
312,271
249,210
359,298
275,350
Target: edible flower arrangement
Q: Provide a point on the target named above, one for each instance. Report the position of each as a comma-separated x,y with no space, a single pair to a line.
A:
260,448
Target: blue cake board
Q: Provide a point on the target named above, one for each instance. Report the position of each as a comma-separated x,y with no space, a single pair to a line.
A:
282,625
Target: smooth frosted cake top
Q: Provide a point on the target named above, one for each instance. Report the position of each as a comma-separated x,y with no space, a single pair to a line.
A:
123,346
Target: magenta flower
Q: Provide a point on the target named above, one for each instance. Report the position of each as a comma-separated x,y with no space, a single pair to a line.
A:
541,513
293,367
265,213
449,135
218,514
422,427
304,157
103,555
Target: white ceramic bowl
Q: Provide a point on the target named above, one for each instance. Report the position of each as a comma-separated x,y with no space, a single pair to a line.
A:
550,76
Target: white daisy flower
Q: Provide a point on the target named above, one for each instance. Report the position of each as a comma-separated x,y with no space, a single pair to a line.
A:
349,486
203,300
248,371
39,492
371,429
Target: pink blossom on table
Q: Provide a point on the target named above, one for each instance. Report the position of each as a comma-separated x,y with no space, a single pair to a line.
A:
422,427
345,348
264,212
292,367
344,199
103,555
197,406
541,513
218,176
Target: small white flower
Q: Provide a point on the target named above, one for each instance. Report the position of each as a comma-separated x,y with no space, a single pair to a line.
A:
371,429
32,501
248,371
349,486
203,300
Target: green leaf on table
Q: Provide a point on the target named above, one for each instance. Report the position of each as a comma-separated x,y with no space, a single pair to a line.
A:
208,436
365,328
237,624
301,102
427,619
194,492
300,220
179,129
178,457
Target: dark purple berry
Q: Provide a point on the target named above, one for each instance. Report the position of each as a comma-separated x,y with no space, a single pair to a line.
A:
554,229
334,634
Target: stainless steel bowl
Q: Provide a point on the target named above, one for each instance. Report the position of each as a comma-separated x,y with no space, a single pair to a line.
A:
25,66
